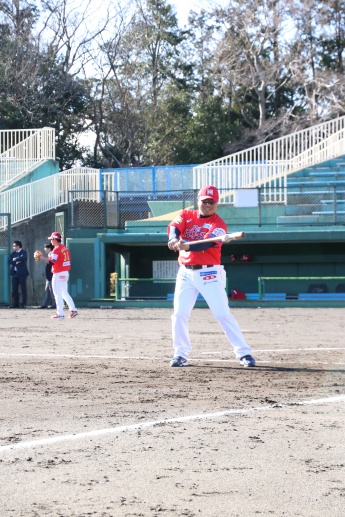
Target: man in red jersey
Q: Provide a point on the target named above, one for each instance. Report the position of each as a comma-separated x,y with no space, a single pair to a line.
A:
200,271
60,258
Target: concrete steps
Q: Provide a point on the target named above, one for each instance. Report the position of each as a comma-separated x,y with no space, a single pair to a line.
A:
311,195
314,219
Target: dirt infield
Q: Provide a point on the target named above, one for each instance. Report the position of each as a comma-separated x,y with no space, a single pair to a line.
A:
94,421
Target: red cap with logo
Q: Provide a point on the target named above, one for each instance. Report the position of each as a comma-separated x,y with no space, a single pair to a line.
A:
209,192
55,235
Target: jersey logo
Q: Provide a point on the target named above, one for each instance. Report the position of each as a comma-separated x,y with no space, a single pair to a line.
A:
194,233
208,275
218,231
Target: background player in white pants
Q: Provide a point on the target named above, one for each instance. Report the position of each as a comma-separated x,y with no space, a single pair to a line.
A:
200,272
60,257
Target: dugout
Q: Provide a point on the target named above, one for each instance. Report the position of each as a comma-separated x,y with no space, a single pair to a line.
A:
97,255
133,256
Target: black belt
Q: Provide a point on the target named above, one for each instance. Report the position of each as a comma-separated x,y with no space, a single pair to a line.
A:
192,266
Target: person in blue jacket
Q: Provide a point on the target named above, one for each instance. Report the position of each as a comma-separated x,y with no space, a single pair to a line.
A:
19,273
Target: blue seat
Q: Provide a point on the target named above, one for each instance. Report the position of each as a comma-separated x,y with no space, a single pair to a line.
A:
274,296
252,296
170,297
266,296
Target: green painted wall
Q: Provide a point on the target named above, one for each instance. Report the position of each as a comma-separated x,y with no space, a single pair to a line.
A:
267,259
49,168
85,275
285,259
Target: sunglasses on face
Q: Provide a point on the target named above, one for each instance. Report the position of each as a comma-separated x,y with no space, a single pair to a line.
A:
208,202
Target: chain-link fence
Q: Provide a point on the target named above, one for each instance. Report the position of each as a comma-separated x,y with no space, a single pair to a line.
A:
108,209
148,179
315,205
289,206
5,231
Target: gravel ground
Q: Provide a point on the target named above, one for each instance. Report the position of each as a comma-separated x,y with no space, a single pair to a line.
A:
94,421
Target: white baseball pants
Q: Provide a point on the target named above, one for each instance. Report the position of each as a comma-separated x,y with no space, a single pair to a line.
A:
210,283
59,283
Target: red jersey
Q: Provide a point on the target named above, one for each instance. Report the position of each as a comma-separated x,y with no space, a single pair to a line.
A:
61,259
193,228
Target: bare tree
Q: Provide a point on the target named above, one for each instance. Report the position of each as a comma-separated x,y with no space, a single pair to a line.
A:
70,31
318,73
138,70
250,53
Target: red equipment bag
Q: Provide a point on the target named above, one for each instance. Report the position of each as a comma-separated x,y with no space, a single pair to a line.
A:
235,294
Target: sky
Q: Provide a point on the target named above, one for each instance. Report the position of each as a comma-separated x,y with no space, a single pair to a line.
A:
183,7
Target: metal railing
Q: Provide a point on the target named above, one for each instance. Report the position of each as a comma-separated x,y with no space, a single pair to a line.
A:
144,288
90,207
48,193
23,150
270,163
263,168
81,179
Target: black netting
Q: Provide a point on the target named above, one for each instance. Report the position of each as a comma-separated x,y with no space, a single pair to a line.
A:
303,205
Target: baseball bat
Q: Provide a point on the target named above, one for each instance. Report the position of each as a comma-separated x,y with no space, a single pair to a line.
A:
227,237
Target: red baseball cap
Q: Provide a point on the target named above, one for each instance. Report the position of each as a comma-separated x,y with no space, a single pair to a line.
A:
209,192
55,235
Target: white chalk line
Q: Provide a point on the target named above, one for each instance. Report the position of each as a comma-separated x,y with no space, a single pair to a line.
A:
167,359
285,350
154,358
145,425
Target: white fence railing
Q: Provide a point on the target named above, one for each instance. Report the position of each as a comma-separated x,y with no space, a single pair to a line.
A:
267,165
22,150
270,163
80,179
48,193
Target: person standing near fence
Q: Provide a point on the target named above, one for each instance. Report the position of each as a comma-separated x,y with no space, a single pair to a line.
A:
200,272
49,298
19,273
60,258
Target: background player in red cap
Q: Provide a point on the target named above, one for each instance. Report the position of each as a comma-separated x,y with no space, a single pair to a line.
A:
200,272
60,258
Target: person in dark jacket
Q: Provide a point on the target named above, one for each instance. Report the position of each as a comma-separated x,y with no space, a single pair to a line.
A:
49,298
19,273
